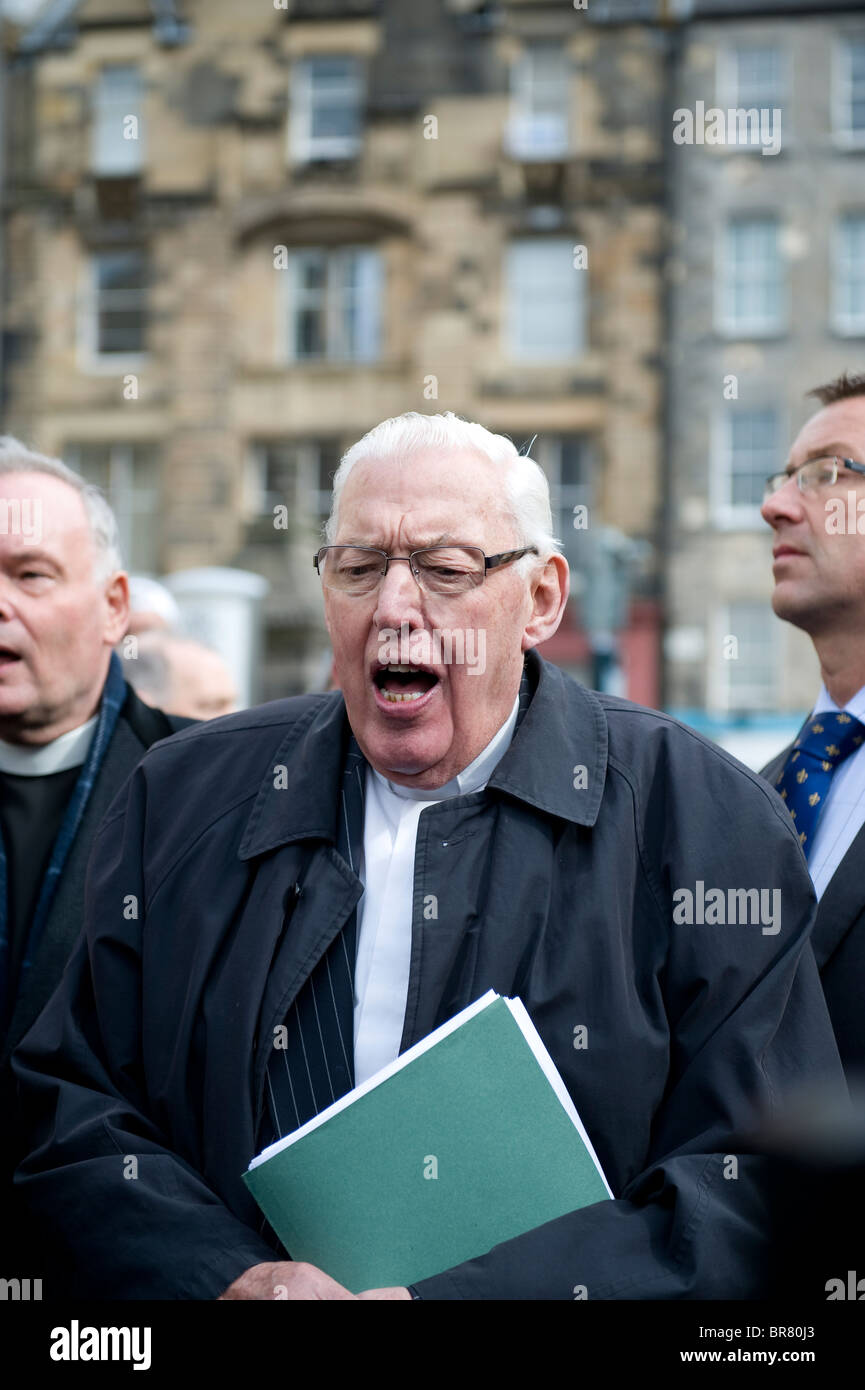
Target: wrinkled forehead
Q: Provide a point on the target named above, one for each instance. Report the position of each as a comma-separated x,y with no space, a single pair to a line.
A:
38,506
429,494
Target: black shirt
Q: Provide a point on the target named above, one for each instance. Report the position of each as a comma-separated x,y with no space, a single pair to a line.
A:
31,810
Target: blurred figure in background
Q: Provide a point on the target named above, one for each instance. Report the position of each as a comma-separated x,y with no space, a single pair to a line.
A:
180,676
151,606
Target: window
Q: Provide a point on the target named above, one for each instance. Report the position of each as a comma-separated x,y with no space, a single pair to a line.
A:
334,305
129,476
752,79
848,278
567,460
545,301
326,99
849,92
748,663
751,298
116,132
540,95
750,444
112,324
296,473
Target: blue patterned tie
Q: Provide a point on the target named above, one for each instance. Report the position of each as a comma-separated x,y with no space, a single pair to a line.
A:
824,741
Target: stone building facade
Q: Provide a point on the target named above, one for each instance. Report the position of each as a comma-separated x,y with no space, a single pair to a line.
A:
766,300
239,236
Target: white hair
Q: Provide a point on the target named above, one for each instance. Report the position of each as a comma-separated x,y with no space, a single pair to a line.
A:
15,457
524,483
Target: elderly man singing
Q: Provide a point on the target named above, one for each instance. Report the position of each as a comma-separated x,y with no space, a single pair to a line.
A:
271,868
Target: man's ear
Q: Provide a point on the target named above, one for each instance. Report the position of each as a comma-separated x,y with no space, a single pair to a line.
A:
549,587
117,608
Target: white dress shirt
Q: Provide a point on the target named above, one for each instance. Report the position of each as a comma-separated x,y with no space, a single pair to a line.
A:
844,809
391,815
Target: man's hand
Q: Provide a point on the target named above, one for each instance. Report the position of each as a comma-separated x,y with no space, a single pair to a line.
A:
385,1293
287,1279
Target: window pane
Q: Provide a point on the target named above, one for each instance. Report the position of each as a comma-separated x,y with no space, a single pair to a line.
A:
752,454
120,301
117,138
853,88
753,290
757,76
849,274
327,100
128,474
540,86
545,300
336,304
360,309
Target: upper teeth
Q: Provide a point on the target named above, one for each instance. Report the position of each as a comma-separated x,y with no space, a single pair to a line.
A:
411,669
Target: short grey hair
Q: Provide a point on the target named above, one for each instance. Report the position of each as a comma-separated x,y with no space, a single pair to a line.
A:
524,483
15,457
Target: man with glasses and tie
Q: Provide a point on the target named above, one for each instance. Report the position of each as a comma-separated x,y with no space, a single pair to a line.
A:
345,872
813,507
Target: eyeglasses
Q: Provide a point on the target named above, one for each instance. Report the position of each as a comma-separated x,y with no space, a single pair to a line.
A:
438,569
815,474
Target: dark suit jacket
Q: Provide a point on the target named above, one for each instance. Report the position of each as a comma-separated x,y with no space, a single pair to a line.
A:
138,726
838,940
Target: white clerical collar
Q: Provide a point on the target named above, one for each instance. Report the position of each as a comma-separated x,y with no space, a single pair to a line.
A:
472,778
854,706
67,751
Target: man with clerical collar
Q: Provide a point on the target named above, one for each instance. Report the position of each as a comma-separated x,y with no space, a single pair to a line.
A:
348,871
71,729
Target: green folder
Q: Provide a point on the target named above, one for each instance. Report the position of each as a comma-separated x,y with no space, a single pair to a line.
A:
468,1139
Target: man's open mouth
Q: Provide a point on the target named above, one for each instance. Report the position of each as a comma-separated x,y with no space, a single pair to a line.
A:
400,684
7,656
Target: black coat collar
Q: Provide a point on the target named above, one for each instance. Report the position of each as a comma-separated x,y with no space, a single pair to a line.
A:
557,763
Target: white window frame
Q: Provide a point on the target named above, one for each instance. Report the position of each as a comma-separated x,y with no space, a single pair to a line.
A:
515,309
720,692
842,134
843,322
749,328
111,155
727,87
304,147
307,497
336,351
121,491
524,138
90,359
726,514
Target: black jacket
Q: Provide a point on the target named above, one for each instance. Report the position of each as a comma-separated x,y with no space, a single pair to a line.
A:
138,726
553,884
838,940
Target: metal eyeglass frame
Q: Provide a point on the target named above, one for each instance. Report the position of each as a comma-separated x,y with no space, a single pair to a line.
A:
777,480
490,561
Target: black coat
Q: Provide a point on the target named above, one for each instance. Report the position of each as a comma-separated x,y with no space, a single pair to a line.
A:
838,940
552,885
138,726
